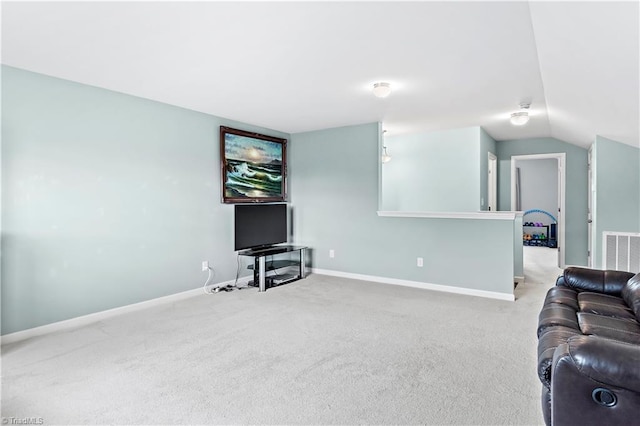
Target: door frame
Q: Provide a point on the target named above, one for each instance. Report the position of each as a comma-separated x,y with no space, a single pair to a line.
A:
561,157
590,213
492,182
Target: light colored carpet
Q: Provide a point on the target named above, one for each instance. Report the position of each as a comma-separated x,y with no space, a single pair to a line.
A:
318,351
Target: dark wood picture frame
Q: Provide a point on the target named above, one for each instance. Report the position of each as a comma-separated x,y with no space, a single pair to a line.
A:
253,166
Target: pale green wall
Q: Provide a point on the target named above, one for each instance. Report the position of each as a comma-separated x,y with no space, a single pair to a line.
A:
107,199
433,171
616,174
539,186
487,145
576,187
334,193
110,199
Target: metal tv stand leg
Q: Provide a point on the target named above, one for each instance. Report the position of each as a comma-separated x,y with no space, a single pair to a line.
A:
262,279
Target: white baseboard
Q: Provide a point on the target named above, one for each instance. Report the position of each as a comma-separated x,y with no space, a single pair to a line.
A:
519,280
99,316
417,284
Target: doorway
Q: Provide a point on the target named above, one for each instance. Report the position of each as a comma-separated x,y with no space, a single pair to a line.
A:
560,184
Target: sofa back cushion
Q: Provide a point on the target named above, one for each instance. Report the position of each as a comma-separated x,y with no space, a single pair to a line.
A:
631,294
595,280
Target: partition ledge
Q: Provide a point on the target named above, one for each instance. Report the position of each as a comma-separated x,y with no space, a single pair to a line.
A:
502,215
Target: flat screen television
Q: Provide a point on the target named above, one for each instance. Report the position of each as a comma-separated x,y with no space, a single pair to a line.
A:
260,225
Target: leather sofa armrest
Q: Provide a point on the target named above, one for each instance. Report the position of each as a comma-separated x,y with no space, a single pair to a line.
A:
595,280
547,345
595,380
606,361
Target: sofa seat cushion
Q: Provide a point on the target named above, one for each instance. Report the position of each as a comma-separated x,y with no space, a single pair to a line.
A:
588,296
623,330
606,309
557,314
563,295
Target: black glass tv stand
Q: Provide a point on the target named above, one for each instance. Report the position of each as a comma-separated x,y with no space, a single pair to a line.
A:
286,264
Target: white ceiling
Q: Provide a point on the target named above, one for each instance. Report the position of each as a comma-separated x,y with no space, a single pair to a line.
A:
301,66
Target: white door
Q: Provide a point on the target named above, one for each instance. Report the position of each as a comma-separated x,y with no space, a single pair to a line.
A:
492,181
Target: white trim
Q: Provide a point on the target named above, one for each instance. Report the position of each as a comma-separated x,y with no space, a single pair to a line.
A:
591,217
501,215
519,280
492,182
417,284
109,313
562,193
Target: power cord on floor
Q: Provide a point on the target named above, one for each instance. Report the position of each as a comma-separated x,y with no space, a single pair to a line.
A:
272,268
229,287
218,289
235,283
237,270
207,289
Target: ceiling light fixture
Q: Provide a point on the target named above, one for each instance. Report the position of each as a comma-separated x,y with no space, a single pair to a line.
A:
381,89
521,117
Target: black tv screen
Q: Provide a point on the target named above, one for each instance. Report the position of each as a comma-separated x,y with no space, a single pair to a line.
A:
260,225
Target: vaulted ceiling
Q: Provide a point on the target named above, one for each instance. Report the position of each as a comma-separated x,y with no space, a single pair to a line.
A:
301,66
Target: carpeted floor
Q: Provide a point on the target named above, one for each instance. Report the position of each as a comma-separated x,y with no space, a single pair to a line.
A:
322,350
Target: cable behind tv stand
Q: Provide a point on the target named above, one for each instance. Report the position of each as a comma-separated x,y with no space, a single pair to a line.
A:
268,273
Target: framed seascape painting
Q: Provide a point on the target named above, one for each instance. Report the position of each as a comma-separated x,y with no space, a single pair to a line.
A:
253,167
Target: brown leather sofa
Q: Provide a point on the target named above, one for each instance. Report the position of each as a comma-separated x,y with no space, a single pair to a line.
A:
589,349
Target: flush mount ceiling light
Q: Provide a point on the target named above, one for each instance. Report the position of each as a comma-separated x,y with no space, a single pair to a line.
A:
381,89
521,117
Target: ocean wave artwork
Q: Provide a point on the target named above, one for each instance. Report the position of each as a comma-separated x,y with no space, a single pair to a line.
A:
253,168
253,180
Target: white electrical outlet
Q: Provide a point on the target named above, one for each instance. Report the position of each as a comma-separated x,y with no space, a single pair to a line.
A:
205,265
332,253
420,262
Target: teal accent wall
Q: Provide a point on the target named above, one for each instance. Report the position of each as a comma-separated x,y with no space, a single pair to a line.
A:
576,187
433,171
334,192
616,204
487,145
108,200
